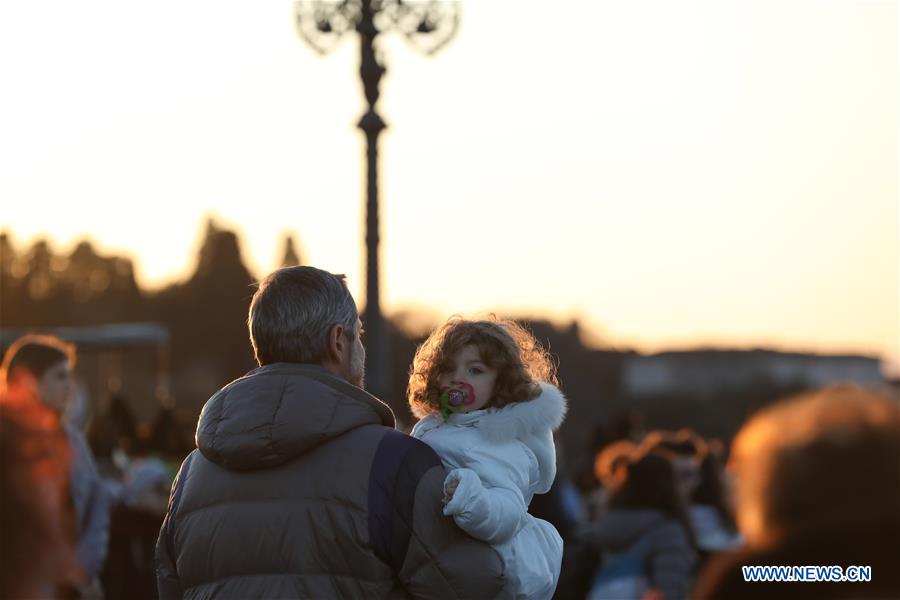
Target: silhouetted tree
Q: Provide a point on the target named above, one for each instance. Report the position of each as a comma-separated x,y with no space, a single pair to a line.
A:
207,315
12,287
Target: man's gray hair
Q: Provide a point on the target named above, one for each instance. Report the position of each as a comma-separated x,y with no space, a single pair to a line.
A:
292,312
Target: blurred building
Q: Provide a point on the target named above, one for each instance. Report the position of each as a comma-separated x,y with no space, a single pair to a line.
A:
706,373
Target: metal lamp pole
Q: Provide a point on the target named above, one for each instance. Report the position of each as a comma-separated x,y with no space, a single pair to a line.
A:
429,25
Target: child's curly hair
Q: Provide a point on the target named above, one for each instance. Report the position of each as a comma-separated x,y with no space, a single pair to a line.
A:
521,362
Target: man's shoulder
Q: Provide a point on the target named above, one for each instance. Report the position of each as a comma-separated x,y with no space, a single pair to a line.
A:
400,447
400,463
394,455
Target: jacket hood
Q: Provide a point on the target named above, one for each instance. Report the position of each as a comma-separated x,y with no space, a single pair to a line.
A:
277,412
520,419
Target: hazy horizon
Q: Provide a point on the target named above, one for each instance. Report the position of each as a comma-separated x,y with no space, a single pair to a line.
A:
417,319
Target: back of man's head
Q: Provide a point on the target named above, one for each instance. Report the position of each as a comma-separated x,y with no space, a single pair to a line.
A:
292,312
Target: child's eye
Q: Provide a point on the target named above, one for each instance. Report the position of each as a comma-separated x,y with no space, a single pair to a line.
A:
475,371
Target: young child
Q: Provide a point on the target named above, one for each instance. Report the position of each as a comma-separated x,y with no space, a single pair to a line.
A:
485,394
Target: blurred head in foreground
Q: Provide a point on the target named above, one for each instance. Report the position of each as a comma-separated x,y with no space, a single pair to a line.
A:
824,461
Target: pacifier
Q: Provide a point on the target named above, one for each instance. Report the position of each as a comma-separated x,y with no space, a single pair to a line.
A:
455,395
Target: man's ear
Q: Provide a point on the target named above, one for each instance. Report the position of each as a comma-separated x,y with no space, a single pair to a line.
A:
337,344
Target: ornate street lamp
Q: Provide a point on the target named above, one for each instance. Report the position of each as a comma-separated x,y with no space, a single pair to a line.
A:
429,25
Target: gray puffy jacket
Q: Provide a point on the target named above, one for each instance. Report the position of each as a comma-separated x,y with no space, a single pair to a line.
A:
301,488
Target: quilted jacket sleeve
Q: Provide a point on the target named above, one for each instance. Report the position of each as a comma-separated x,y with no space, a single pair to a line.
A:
167,581
491,514
441,561
431,556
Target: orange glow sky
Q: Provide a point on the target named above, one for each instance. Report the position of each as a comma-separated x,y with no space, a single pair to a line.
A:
671,173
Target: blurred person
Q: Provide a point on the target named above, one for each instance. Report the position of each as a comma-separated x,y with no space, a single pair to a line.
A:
113,437
629,425
38,557
609,471
485,393
147,484
712,507
686,449
42,365
300,486
77,413
626,426
611,462
166,437
136,520
817,483
702,485
581,559
645,538
562,506
78,416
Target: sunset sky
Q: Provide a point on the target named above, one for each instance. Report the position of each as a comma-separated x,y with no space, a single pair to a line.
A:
671,173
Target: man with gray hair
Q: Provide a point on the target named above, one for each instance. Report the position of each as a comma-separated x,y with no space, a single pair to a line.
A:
300,487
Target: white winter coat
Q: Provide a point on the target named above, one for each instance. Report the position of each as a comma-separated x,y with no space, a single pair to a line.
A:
501,457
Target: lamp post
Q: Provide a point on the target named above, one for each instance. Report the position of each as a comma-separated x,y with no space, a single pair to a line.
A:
429,25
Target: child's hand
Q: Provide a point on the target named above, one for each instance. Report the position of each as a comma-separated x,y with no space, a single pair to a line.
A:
448,491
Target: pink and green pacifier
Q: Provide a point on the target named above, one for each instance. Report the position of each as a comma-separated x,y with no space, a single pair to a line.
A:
454,396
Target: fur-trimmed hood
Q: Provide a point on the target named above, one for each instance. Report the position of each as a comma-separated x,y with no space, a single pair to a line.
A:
521,419
513,421
465,435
